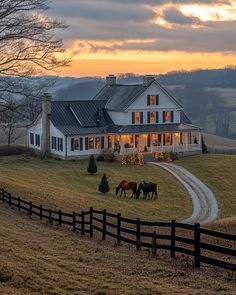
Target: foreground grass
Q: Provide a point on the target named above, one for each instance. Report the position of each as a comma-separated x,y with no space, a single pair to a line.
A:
219,173
67,185
40,259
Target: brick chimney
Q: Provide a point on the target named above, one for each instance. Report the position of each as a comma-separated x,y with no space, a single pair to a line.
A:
45,139
111,80
148,79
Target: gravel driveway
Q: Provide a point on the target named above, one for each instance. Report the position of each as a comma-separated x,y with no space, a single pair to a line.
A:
205,207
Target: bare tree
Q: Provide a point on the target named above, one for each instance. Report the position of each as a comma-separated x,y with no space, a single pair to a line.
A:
27,41
28,48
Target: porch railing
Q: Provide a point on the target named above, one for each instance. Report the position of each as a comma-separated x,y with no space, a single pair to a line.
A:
171,148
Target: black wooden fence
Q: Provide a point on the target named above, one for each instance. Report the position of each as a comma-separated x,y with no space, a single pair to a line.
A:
139,233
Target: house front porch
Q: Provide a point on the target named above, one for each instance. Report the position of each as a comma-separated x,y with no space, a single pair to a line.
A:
126,144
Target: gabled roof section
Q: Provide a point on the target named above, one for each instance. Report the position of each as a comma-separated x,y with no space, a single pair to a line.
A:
120,96
71,117
184,118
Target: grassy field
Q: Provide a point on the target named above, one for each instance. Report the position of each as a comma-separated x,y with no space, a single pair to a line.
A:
219,173
67,185
40,259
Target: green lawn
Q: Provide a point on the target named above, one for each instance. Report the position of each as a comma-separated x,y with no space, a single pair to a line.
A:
67,185
219,173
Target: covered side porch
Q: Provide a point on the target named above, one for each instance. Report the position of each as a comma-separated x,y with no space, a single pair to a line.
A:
126,144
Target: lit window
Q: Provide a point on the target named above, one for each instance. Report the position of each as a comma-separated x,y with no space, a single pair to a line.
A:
137,118
168,139
152,117
109,141
152,100
168,117
97,143
91,143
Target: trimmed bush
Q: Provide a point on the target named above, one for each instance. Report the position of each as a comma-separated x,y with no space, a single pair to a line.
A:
92,167
9,150
100,158
204,147
104,185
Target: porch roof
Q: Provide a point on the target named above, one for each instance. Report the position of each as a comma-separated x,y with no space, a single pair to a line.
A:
153,128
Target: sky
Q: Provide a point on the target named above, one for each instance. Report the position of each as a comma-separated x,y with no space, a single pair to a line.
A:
146,36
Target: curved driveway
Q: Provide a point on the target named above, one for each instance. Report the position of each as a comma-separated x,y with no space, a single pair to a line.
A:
205,207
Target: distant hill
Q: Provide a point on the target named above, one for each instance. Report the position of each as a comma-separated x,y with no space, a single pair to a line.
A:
224,78
80,90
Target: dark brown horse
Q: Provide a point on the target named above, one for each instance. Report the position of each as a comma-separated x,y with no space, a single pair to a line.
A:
125,186
147,188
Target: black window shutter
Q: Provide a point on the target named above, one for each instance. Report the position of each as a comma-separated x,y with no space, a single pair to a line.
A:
81,143
157,117
141,117
72,144
133,118
102,142
149,140
164,139
172,116
148,117
148,100
164,116
157,99
86,143
171,138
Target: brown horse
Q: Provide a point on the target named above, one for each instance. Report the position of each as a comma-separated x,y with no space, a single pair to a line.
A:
125,186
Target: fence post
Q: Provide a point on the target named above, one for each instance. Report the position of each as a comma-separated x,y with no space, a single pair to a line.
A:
3,195
91,221
30,208
104,224
138,246
82,222
9,200
59,217
74,222
19,203
172,250
41,212
197,245
50,216
154,244
118,228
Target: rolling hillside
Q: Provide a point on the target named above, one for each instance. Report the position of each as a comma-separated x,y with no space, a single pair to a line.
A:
40,259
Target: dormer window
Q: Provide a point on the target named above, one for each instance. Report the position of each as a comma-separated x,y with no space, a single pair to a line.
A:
137,118
153,100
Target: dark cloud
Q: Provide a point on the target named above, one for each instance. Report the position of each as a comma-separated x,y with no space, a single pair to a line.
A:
124,20
172,15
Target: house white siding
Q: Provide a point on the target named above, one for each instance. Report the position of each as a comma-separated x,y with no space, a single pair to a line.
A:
59,149
35,130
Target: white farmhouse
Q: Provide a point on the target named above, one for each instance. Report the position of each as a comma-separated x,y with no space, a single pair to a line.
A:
125,118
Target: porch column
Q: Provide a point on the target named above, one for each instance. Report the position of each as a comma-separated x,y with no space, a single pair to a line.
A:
173,141
199,138
186,140
151,142
161,142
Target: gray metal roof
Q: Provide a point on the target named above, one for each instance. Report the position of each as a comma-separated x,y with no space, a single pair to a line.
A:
119,96
152,128
184,118
79,117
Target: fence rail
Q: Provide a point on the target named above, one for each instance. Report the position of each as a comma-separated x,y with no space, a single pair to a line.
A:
138,232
